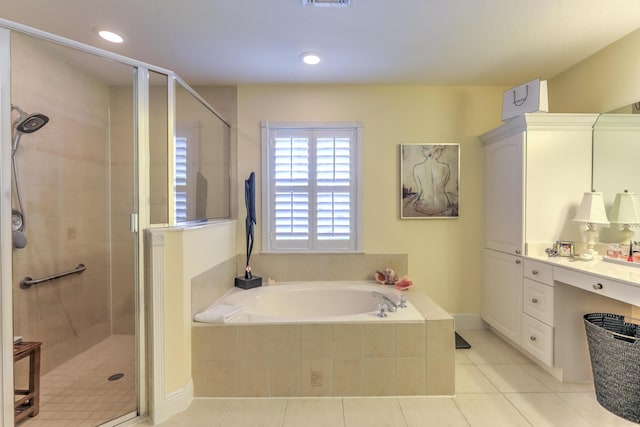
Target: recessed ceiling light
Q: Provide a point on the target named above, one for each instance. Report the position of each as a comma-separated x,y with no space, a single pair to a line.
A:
326,3
310,58
110,36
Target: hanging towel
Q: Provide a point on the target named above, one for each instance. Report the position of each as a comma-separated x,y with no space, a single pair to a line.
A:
217,313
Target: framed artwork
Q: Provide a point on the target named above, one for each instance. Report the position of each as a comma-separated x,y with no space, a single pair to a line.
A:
430,175
565,249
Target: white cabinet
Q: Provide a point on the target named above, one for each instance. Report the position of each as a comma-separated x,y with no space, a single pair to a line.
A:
537,311
537,301
504,195
502,293
537,167
537,339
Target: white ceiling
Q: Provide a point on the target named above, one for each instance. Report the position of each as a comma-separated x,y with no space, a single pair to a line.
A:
445,42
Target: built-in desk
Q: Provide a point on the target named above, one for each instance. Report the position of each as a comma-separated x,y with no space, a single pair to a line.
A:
579,287
616,281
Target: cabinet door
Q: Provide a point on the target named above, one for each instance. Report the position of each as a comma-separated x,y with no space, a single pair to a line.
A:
557,175
504,195
502,293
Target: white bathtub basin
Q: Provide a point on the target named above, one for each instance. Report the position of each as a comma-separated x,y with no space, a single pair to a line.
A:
306,302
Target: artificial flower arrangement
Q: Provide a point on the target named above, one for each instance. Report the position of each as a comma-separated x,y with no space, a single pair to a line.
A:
389,277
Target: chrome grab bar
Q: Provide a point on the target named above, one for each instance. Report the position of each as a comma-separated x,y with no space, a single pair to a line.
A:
28,281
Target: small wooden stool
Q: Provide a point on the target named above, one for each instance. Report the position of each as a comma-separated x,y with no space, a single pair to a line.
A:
29,402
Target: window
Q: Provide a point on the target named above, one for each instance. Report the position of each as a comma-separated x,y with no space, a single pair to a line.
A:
310,187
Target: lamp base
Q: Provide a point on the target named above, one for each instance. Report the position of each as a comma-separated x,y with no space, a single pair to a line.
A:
243,283
592,235
627,234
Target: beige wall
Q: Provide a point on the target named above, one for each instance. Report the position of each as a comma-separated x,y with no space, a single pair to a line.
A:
604,82
444,254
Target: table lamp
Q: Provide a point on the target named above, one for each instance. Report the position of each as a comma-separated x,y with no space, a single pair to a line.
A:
591,212
625,211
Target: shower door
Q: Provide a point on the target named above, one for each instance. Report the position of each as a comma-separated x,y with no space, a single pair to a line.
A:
77,245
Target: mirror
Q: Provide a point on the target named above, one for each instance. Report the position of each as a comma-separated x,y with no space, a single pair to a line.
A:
616,159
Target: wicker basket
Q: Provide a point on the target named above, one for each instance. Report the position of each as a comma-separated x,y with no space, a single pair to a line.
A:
614,347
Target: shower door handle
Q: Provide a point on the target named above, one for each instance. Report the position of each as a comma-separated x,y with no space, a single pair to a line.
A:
133,222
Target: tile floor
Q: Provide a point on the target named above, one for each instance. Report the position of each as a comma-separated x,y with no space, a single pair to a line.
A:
77,393
495,386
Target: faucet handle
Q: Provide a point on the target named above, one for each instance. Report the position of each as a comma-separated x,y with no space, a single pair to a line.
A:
381,310
402,301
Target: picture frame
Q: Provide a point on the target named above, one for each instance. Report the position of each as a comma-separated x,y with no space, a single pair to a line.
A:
565,248
430,179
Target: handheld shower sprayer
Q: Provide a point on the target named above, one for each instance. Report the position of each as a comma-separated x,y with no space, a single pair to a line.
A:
25,123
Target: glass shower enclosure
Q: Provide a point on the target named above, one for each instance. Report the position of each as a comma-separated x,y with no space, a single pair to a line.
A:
94,149
75,255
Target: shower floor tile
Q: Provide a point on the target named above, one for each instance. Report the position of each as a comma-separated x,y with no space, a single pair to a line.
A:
79,393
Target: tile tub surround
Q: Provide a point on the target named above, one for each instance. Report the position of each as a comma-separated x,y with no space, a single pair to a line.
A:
299,267
337,359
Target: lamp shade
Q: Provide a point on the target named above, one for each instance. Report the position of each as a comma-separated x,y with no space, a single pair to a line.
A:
591,210
625,209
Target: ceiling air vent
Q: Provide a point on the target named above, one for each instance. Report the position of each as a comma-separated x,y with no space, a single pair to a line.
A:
326,3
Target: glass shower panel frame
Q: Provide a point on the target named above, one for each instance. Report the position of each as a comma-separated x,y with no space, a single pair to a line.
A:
6,310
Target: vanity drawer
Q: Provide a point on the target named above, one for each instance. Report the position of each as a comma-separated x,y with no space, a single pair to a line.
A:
538,271
537,301
537,339
608,287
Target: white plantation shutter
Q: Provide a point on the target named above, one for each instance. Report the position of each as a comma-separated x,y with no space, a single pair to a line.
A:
181,179
291,179
333,206
310,200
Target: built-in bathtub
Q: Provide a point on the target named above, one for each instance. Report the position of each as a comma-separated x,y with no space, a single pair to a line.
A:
324,339
318,302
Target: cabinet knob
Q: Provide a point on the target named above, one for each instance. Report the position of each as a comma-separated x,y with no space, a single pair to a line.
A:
532,338
534,272
534,300
518,261
597,286
518,251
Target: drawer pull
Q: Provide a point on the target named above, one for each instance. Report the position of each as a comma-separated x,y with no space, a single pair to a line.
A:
597,286
534,272
518,261
532,338
517,251
534,300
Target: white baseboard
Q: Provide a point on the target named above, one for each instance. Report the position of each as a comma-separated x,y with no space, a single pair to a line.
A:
469,321
174,403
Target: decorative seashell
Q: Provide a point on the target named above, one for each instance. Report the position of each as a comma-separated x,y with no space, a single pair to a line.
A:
386,277
403,284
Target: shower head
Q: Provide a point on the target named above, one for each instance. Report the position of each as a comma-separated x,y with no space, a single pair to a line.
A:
31,122
26,123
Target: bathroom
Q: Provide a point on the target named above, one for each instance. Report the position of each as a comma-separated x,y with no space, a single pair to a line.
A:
445,114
